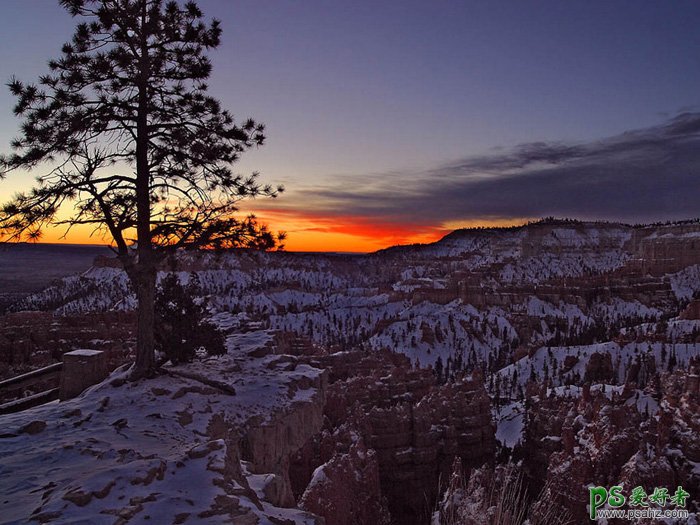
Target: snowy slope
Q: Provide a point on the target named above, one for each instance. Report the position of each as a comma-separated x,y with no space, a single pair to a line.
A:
164,449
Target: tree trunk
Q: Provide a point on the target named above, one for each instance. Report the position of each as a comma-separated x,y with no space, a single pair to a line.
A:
145,267
145,284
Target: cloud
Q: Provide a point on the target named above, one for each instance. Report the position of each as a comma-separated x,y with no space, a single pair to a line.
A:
641,175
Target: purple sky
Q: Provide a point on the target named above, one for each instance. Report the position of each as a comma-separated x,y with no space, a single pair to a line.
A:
397,97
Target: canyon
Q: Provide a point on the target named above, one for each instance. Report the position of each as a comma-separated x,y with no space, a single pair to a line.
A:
373,388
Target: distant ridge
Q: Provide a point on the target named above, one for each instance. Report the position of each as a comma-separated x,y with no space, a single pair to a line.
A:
545,221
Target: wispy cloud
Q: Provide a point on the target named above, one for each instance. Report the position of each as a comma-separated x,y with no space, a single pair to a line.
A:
644,174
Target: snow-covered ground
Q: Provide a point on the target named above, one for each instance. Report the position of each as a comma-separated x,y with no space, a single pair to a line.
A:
510,423
161,451
553,360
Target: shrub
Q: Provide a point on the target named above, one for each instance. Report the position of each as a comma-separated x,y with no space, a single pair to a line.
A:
181,325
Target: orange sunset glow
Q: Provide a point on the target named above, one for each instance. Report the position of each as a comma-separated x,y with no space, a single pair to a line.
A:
315,232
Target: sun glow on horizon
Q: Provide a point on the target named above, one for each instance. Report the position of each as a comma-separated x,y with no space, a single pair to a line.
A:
308,232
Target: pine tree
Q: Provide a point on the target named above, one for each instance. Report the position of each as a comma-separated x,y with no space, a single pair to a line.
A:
459,360
438,370
181,324
672,361
133,144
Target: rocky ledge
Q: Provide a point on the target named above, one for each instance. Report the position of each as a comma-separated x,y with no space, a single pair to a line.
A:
207,441
256,436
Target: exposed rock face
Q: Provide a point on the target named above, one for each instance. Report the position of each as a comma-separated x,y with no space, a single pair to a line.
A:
611,430
680,408
269,442
606,440
569,362
544,435
599,368
667,249
592,267
414,426
368,448
466,500
627,283
692,311
345,490
168,449
572,297
494,495
451,421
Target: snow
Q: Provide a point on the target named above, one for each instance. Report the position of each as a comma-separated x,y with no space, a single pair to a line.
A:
384,300
146,448
510,423
686,283
621,357
84,352
319,476
407,299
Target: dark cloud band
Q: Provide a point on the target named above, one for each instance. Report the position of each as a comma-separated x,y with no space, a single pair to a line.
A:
640,175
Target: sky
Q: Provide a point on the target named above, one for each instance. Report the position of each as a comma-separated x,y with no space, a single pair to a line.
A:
395,122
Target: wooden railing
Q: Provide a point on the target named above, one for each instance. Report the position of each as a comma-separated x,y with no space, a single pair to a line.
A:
49,374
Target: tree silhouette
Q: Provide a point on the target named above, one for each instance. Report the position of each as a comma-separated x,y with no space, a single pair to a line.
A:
181,321
132,142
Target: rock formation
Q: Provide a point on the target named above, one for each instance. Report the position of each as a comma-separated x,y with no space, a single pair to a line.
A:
414,426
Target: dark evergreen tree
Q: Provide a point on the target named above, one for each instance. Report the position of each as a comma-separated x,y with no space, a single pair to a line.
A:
439,369
459,360
133,144
672,361
181,327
